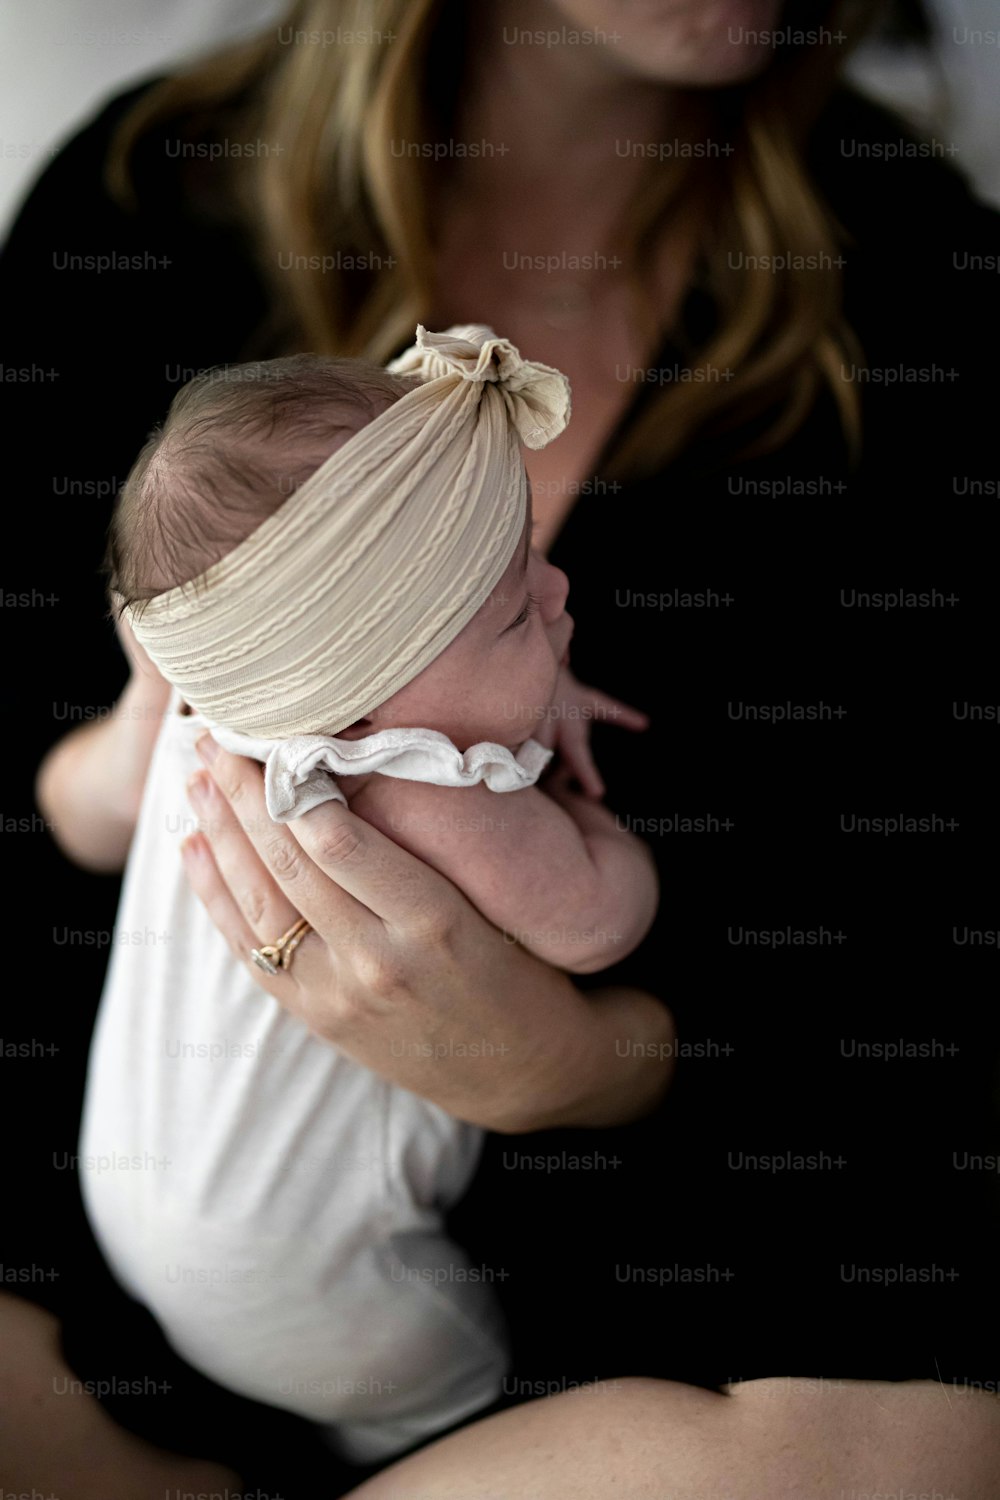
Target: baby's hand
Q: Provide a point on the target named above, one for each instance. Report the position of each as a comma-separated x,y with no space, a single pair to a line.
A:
574,707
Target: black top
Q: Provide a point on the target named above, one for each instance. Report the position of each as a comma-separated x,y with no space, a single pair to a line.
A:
815,1197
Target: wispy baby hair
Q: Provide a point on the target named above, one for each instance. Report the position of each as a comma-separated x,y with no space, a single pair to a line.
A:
237,441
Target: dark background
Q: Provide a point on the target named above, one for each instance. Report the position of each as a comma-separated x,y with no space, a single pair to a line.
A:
758,1266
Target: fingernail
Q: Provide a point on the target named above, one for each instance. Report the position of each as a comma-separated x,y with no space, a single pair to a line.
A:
206,748
193,847
200,787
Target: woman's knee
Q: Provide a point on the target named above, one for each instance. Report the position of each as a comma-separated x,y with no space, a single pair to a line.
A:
853,1439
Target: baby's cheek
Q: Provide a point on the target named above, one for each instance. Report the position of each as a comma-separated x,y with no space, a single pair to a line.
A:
543,689
520,698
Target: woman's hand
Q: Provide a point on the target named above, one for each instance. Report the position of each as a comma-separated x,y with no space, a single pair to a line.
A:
404,975
573,710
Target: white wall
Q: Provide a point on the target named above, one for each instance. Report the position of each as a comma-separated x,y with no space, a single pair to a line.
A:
953,90
60,59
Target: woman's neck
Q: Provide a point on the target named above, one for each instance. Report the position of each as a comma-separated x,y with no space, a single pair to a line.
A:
537,105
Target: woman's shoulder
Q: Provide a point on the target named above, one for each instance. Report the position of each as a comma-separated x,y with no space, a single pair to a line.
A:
165,167
917,247
74,181
876,169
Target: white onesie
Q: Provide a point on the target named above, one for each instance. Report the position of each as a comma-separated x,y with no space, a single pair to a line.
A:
277,1206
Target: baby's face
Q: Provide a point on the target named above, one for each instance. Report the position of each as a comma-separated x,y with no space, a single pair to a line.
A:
496,679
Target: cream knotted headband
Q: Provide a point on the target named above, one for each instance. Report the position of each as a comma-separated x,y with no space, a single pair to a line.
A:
370,569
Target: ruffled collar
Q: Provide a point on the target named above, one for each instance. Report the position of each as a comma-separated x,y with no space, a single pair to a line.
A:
299,772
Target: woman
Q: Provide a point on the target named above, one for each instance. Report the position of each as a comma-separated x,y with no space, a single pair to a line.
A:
730,258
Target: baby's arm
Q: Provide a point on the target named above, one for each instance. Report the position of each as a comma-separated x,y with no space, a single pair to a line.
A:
559,877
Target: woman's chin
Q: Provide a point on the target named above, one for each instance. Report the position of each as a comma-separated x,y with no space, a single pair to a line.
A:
705,44
722,66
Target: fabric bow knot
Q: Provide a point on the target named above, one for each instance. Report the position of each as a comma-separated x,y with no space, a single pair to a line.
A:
537,397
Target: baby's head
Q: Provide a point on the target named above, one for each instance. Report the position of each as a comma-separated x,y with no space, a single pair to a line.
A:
237,443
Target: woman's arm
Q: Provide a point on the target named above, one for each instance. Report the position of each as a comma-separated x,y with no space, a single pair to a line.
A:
89,786
403,974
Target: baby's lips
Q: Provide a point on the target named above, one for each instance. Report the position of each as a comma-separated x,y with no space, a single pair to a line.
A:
564,659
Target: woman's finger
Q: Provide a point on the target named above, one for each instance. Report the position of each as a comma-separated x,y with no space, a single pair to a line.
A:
352,874
384,878
262,861
264,908
216,897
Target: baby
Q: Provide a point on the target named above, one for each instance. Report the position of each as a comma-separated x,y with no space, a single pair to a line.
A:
331,564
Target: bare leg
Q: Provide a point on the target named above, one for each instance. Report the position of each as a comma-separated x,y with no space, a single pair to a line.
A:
66,1444
767,1440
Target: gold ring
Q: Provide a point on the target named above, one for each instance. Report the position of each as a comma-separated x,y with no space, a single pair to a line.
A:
277,956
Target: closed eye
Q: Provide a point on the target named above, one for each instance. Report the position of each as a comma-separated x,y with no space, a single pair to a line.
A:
531,604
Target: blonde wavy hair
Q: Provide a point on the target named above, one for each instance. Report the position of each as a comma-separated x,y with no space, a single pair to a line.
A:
337,186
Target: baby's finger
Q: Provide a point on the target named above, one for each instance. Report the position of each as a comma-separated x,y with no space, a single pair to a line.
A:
575,749
622,714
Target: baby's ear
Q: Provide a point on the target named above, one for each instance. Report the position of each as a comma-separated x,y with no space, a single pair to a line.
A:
138,658
358,730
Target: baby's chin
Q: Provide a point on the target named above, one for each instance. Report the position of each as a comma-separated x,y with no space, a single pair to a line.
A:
510,735
511,732
511,725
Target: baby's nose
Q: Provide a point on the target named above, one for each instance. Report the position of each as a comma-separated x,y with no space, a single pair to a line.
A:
555,592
